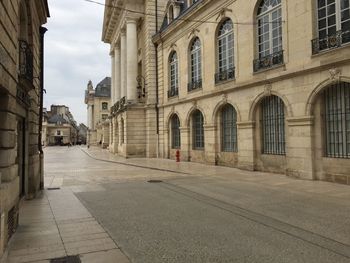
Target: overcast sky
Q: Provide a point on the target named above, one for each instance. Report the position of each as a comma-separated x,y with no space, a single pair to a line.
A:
74,53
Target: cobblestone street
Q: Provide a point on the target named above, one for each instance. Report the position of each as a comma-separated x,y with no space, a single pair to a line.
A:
104,209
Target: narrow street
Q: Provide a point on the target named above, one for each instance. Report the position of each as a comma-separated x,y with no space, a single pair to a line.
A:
108,209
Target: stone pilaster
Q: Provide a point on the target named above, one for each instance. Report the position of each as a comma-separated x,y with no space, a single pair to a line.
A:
246,148
300,151
209,139
185,143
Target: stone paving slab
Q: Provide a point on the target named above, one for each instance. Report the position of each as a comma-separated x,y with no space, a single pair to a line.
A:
58,225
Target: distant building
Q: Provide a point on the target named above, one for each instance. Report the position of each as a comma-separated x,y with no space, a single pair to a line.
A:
98,104
59,126
82,133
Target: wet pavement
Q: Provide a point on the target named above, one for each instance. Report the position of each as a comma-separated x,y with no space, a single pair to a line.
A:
107,211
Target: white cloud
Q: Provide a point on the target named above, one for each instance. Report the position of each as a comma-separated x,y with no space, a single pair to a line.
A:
74,53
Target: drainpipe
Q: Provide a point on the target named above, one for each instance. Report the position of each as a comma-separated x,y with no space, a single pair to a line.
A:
157,82
42,31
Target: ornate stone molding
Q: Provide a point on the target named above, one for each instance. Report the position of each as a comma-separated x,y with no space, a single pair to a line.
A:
335,74
193,33
222,14
246,125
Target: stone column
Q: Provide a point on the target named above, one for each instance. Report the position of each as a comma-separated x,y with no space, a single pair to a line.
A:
131,64
117,90
122,64
90,122
113,80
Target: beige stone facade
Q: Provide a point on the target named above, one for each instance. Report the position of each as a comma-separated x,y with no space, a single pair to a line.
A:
21,89
133,130
59,127
299,75
98,104
254,85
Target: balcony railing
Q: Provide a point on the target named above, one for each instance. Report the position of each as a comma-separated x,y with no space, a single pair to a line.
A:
332,41
228,74
268,61
173,93
25,62
194,85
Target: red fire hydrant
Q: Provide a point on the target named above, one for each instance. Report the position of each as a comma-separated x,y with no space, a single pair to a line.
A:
177,155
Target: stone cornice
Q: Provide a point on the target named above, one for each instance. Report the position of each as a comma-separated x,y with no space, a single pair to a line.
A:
300,121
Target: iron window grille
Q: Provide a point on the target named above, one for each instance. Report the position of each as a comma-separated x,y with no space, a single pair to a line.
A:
194,85
174,76
333,22
104,106
198,130
273,126
225,75
196,61
175,133
229,129
225,40
173,93
337,120
25,61
269,31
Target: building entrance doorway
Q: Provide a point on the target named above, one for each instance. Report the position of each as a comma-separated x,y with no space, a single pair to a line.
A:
59,140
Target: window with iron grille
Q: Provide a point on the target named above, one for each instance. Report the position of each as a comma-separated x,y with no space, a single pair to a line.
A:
333,15
175,132
174,74
273,125
104,105
269,21
225,46
229,129
337,120
198,130
196,61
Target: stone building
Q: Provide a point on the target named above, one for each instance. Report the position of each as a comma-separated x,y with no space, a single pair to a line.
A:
259,85
59,127
134,93
98,104
82,133
21,97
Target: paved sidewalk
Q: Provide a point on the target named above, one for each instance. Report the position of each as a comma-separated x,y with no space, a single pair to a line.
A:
58,225
202,170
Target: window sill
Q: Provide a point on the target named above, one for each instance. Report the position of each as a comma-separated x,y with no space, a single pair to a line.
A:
219,83
330,50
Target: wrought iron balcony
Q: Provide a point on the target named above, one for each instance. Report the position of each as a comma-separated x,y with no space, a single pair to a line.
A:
228,74
194,85
25,62
173,93
332,41
268,61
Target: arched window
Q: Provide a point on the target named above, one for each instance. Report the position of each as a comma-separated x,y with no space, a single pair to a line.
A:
198,130
337,120
333,19
174,75
196,65
273,125
269,34
175,132
228,129
225,52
